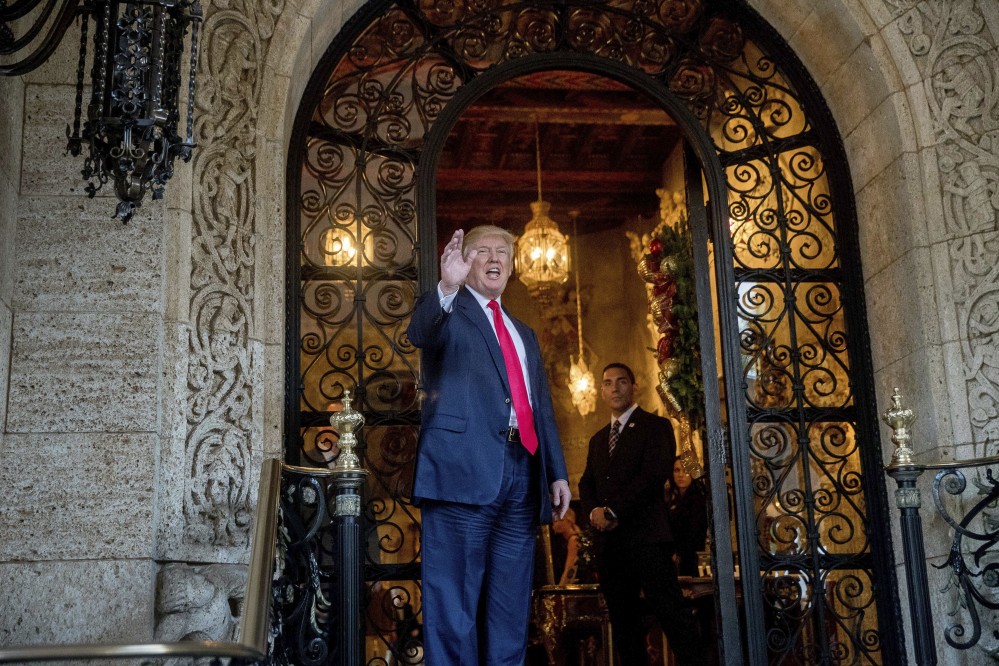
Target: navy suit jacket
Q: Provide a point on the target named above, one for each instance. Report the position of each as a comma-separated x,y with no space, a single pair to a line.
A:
466,407
631,483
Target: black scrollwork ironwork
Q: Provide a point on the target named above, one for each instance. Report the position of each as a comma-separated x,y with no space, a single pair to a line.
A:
303,590
973,561
356,264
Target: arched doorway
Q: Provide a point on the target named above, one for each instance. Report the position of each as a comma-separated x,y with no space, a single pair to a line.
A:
797,431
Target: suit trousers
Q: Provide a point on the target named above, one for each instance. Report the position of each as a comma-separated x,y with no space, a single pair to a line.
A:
628,572
478,562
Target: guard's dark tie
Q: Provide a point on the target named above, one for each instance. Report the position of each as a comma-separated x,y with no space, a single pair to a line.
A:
615,433
518,387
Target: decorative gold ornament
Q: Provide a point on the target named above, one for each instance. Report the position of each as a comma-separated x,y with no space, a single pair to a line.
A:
668,369
346,423
667,396
898,419
647,269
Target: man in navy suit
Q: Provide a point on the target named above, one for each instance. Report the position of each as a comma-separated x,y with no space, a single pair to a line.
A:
489,464
627,464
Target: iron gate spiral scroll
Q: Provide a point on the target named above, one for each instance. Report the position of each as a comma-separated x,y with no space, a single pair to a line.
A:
804,447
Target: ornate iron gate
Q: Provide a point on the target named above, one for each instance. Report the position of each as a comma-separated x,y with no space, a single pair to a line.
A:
801,428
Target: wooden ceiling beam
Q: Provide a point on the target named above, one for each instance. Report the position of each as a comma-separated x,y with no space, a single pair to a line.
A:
570,115
560,181
503,141
599,217
627,145
586,143
465,147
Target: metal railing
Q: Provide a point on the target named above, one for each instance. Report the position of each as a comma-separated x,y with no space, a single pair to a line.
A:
972,561
254,626
318,599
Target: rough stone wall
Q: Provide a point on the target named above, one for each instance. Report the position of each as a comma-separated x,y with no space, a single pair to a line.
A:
134,435
955,51
80,439
11,108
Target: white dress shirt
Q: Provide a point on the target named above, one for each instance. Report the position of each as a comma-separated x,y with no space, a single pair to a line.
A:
623,419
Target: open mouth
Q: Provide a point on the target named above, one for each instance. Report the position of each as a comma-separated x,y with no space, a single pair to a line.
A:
493,272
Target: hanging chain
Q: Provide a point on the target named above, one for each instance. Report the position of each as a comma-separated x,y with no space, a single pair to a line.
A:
575,270
537,153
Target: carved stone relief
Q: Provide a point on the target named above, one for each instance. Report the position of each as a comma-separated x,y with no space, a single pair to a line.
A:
220,390
199,602
952,45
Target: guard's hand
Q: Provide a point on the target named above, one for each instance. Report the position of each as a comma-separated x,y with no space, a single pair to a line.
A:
454,267
561,496
599,520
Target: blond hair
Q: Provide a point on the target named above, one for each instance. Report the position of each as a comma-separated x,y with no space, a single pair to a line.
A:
474,234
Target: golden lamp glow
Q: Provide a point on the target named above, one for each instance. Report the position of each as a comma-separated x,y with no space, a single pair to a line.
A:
582,386
338,247
542,251
542,256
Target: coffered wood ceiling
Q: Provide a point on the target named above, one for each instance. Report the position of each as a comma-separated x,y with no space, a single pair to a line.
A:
603,147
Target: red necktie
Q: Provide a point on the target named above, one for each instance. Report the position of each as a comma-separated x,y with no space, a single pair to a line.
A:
518,389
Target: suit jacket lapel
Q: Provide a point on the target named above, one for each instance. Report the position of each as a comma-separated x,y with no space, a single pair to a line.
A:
468,306
633,422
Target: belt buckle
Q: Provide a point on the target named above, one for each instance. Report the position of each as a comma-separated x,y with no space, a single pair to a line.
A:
513,435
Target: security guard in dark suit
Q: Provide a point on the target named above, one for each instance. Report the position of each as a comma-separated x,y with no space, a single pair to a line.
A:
622,490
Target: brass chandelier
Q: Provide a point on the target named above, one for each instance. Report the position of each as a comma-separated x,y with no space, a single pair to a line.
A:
542,256
138,76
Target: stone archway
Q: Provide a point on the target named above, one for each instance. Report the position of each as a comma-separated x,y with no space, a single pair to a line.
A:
721,42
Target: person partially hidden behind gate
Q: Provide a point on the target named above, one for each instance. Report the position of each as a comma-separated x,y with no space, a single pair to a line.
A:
627,463
489,464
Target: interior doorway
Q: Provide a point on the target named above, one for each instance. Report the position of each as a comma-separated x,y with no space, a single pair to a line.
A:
605,151
609,162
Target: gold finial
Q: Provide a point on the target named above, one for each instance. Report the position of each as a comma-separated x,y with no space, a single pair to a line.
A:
898,419
346,422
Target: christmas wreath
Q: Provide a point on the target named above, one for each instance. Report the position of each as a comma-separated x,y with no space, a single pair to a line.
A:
669,268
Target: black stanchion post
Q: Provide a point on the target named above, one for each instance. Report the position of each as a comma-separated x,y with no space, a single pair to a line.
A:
908,500
348,477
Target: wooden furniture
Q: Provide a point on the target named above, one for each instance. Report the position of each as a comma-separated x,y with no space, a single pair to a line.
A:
574,629
573,625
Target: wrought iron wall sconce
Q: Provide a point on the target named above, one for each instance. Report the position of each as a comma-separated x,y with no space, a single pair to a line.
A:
137,75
